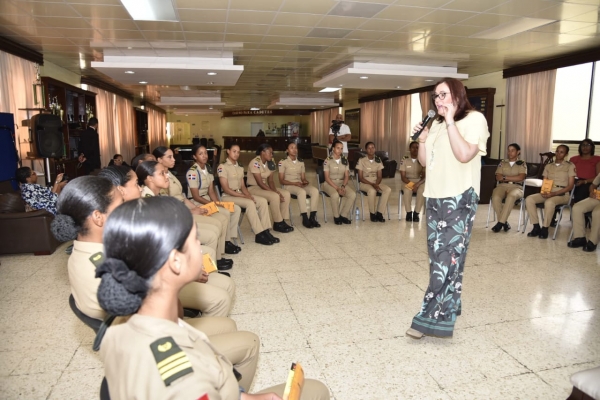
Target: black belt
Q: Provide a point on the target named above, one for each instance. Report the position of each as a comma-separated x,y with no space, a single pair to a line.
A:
513,183
562,187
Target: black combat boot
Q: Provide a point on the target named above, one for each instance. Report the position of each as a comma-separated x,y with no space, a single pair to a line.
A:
535,231
313,219
306,222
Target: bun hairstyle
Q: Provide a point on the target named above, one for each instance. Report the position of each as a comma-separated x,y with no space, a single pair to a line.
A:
515,146
262,148
196,147
160,152
77,202
118,175
138,238
144,170
336,142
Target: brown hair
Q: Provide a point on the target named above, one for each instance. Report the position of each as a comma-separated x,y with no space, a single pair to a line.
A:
459,96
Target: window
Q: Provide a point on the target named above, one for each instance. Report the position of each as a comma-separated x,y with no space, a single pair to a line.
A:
415,110
572,103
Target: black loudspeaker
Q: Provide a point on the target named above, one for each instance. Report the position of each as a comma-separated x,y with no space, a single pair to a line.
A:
46,132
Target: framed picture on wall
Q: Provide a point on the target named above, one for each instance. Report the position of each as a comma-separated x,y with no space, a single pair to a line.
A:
352,119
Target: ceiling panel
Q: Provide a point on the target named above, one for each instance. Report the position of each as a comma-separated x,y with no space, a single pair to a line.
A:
291,44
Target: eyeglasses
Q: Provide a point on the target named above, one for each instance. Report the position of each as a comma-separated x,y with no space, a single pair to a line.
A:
441,95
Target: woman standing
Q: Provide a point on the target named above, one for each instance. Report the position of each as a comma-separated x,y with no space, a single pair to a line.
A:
588,166
202,191
165,157
231,177
451,151
292,176
261,183
337,175
151,254
510,176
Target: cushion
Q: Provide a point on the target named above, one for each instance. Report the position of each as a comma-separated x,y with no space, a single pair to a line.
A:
11,203
588,382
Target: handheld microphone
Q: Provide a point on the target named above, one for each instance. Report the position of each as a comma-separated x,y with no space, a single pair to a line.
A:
426,120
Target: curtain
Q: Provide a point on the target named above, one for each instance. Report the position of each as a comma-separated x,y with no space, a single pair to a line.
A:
16,78
401,129
157,128
320,122
375,123
529,113
115,125
426,105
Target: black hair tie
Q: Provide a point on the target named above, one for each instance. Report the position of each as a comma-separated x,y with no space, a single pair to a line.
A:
121,273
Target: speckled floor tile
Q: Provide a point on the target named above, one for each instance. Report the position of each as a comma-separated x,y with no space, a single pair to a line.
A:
75,385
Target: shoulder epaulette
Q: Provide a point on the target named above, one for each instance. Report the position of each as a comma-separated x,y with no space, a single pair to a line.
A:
209,169
569,162
194,167
97,258
148,195
520,162
299,159
406,157
377,160
271,165
330,158
171,361
344,160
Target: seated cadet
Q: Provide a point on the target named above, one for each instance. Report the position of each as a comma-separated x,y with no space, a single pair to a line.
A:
83,217
261,184
369,174
231,177
36,196
137,160
292,177
165,157
562,173
510,176
592,203
337,175
214,299
202,191
156,355
411,170
153,179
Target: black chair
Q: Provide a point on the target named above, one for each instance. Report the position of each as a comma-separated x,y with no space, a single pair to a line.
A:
104,395
89,321
364,193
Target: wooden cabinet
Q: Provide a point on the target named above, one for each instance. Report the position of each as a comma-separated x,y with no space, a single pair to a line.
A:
141,132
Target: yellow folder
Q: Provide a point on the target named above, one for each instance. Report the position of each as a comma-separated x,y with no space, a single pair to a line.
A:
228,205
547,185
294,384
410,185
208,263
211,207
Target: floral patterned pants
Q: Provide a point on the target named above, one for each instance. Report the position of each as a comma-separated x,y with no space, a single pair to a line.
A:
449,224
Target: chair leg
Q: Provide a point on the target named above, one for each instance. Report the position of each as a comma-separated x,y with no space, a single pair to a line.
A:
324,208
362,206
388,208
399,205
291,220
521,209
558,222
487,224
240,236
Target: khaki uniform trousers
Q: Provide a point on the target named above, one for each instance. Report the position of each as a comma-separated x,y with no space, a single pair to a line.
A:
279,210
301,193
209,234
312,390
347,200
241,349
257,213
408,194
512,193
372,198
549,206
231,222
221,224
579,211
214,298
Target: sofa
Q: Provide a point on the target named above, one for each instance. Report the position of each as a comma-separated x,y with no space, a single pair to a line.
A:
24,232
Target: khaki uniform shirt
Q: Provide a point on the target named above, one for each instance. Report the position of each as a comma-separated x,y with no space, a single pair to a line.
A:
337,170
370,168
152,358
257,167
82,277
175,188
234,173
560,174
199,179
518,167
292,171
412,168
146,192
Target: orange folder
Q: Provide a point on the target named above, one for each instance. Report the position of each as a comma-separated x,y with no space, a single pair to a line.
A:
228,205
547,185
211,207
208,263
410,185
294,384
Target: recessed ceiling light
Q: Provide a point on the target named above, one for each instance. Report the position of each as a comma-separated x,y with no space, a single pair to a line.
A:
364,77
186,115
211,73
428,80
254,109
129,72
150,10
329,89
210,83
398,87
341,85
174,108
210,108
143,82
129,48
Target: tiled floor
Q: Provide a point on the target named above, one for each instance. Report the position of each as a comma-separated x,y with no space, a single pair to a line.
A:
340,304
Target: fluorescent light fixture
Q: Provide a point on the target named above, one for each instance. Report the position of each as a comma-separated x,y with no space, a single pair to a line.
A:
254,109
341,85
81,61
329,89
143,82
364,77
129,72
428,80
210,83
151,10
211,73
512,28
398,87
